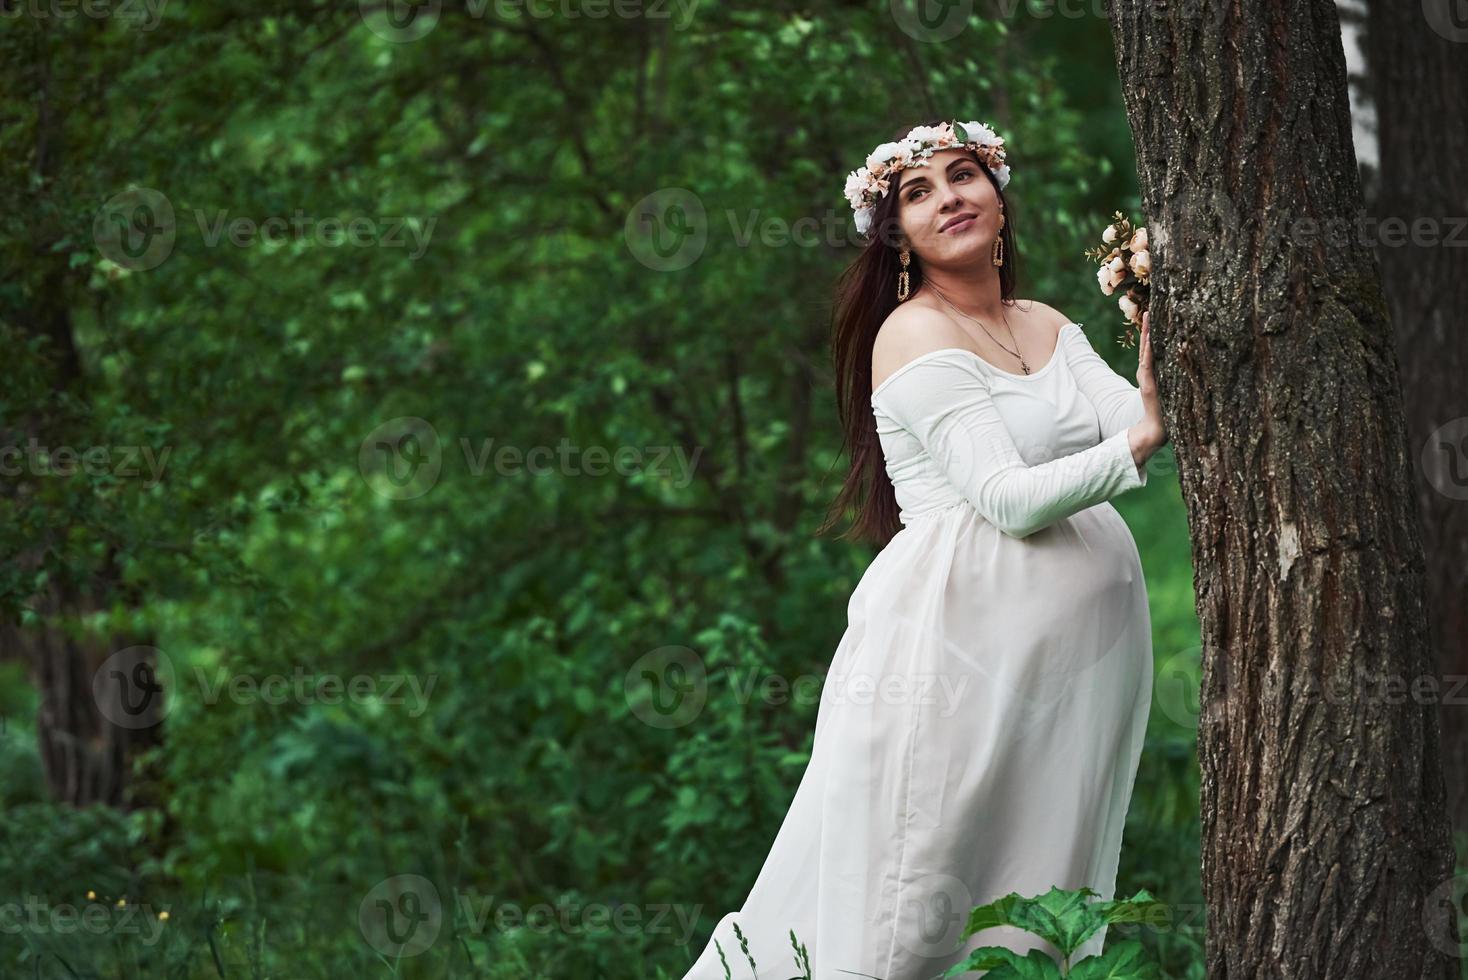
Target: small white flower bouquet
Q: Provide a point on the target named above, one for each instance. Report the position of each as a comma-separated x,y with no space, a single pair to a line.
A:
1125,264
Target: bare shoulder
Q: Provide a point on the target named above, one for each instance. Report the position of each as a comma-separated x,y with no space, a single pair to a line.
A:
909,332
1042,314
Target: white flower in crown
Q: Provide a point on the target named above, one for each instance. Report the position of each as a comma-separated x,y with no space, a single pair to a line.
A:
977,132
939,135
890,155
856,185
867,184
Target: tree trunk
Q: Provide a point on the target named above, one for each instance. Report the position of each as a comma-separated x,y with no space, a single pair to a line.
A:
1326,848
1418,79
100,703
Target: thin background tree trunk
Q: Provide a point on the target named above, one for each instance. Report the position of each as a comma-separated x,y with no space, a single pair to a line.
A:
1417,79
1325,834
87,756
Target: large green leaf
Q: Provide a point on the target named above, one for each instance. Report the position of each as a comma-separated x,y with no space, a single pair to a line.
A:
1062,917
1141,907
1126,960
1004,964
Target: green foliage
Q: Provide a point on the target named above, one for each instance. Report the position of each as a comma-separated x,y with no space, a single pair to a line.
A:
235,526
1065,920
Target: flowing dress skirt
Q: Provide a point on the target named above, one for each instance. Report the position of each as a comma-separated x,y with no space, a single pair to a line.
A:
978,734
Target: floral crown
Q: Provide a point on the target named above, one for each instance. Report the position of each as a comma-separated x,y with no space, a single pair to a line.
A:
865,186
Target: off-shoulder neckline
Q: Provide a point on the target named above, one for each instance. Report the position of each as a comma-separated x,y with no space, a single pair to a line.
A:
1055,356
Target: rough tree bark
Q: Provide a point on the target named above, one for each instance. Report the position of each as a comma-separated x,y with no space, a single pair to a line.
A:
1325,836
1418,80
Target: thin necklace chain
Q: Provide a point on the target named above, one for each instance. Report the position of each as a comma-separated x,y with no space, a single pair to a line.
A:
996,340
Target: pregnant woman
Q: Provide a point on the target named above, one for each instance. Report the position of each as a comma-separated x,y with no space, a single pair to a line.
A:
981,722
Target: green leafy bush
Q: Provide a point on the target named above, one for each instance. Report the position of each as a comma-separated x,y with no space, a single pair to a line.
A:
1065,919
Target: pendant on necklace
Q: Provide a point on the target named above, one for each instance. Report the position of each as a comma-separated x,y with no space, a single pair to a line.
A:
1025,366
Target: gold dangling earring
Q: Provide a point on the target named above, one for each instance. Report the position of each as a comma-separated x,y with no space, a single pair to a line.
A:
903,282
996,251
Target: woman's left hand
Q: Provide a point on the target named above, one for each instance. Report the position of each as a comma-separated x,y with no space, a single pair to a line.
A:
1147,385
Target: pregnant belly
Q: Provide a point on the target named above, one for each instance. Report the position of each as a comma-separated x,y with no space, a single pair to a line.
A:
1032,637
1051,607
1056,602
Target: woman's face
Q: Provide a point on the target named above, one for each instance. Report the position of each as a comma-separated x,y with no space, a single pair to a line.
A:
947,208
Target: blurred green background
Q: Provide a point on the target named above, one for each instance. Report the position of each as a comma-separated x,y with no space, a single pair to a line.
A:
498,290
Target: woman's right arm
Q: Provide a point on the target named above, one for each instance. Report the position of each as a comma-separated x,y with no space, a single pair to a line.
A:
944,401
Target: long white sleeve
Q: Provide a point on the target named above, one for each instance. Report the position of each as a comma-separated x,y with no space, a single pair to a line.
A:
944,401
1117,403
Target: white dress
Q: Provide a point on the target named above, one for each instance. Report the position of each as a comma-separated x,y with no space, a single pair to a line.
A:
982,718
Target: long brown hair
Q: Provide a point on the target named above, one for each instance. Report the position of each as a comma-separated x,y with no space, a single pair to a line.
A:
866,292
